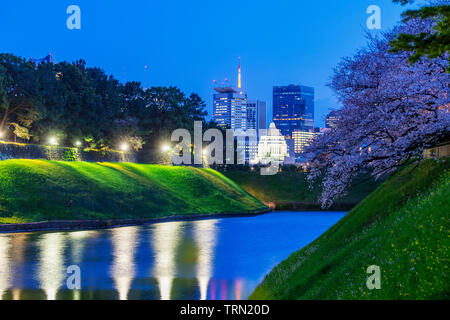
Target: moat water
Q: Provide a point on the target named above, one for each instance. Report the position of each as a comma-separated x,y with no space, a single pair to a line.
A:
216,259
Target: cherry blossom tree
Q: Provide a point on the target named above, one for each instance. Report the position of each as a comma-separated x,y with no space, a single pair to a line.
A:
391,112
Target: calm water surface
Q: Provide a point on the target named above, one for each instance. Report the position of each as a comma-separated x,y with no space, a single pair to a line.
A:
206,259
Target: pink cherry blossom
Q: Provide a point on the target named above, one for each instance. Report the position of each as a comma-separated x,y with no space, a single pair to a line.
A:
391,112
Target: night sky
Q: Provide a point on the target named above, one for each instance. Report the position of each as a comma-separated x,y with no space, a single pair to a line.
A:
189,44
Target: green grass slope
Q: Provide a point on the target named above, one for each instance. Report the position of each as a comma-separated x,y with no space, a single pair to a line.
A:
290,190
37,190
402,227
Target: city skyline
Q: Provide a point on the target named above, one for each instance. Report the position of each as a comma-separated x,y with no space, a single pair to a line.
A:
276,46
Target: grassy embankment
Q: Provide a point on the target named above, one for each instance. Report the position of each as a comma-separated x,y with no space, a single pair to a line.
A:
403,227
38,190
290,190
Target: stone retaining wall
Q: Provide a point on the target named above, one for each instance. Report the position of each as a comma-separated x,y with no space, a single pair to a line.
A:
107,224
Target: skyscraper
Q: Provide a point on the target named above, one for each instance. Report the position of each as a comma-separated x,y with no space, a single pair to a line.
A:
302,139
256,115
230,108
247,145
293,110
230,105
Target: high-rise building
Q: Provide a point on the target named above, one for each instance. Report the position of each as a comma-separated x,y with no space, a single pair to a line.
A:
331,120
256,121
303,138
293,110
262,116
247,145
245,118
252,115
230,108
230,105
256,115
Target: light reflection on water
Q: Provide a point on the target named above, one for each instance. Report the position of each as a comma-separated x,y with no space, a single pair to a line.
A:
78,241
206,259
205,237
51,271
123,269
5,264
165,240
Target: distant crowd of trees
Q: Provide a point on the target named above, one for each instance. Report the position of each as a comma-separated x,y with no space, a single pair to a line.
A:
71,102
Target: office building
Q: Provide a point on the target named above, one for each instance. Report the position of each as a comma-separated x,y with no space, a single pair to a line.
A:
230,105
256,115
230,108
247,145
302,139
293,110
331,120
245,118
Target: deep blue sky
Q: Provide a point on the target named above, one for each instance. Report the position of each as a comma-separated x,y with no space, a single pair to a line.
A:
189,43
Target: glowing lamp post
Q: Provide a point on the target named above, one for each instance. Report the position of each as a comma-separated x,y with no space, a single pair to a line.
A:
77,144
124,147
166,155
205,158
165,148
52,141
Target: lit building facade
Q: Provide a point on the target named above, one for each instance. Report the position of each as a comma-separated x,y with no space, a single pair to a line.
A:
230,108
331,120
293,110
272,147
245,118
256,115
247,145
302,139
230,105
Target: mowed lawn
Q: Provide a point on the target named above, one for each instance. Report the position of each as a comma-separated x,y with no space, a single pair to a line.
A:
39,190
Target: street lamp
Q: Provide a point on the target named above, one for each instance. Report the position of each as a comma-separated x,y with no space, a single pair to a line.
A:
124,147
78,144
165,148
52,141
